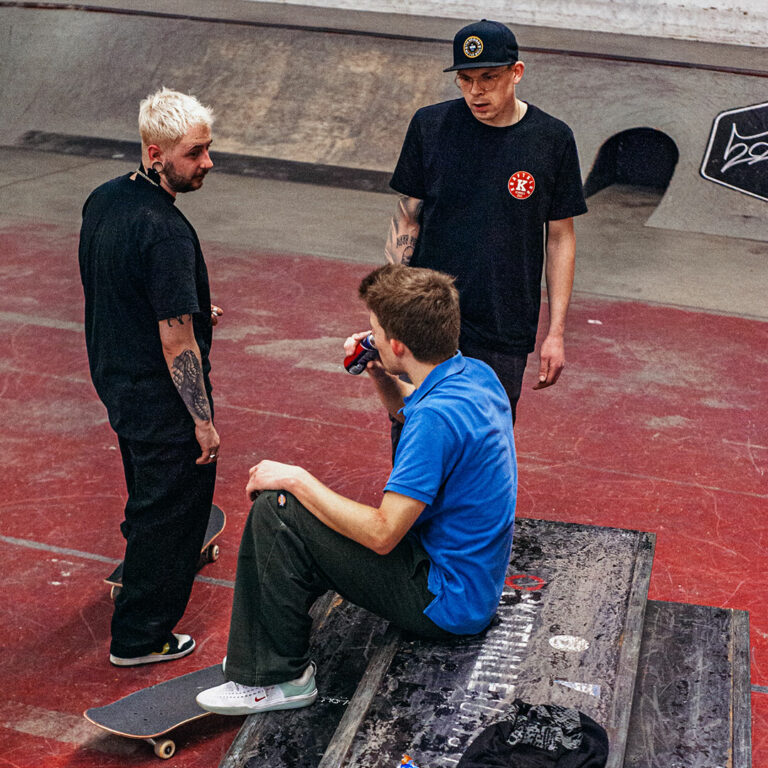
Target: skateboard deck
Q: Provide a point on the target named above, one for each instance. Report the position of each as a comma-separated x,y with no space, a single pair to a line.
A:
208,554
345,640
152,712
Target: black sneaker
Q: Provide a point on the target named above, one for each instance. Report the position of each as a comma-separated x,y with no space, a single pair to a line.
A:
176,648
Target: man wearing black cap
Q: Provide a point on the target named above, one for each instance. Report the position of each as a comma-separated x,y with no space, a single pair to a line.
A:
488,184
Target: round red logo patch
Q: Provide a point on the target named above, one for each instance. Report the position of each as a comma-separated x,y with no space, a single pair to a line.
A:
521,185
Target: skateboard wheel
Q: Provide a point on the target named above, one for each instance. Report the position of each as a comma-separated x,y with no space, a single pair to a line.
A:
213,553
165,749
114,592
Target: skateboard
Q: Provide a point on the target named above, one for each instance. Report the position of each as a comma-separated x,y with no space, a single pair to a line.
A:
345,640
151,713
208,554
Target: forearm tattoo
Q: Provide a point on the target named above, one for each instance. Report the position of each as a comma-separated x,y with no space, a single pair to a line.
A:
188,377
405,244
404,230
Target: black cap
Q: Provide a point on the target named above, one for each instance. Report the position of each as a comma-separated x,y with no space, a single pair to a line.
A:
483,44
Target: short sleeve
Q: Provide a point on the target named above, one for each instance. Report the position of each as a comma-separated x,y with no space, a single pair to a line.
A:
568,196
424,457
170,274
408,178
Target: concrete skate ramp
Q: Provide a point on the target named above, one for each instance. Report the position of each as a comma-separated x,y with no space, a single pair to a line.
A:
311,94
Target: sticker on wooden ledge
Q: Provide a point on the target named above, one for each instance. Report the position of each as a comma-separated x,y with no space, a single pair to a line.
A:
590,689
569,643
524,582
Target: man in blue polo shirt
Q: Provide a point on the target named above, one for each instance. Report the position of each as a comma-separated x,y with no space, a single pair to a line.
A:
431,558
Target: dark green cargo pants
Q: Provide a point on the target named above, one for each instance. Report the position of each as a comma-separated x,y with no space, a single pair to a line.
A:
287,559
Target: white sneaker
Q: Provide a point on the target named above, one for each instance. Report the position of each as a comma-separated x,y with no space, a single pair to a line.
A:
235,699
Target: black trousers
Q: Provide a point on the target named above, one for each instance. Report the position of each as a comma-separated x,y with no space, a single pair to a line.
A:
287,559
169,502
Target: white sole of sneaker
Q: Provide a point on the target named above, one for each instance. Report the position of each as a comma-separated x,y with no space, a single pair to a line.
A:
140,661
151,658
295,702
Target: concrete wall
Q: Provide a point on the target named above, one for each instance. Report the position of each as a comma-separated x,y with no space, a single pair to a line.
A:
346,99
739,22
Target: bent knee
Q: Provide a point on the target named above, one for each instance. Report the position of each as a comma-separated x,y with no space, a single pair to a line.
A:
269,505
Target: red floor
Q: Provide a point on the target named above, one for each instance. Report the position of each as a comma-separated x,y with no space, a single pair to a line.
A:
659,423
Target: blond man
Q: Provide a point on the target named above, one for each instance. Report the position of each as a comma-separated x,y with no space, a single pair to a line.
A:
148,330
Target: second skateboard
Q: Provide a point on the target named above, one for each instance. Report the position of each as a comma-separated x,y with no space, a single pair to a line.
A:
209,552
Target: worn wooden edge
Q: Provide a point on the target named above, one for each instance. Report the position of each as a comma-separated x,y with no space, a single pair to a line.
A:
239,752
741,691
358,706
629,655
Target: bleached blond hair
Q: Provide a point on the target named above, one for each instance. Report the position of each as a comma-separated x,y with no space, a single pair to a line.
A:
167,115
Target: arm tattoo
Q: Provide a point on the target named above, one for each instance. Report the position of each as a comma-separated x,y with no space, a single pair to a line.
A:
179,320
404,230
405,245
188,378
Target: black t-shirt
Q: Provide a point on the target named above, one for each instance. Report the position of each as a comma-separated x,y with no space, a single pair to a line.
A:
140,263
488,193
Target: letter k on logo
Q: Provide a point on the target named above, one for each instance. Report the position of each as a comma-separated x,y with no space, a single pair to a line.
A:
521,185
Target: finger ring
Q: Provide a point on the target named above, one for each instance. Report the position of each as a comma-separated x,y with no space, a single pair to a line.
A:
213,455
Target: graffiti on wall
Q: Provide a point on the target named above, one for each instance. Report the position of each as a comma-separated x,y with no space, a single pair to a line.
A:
737,154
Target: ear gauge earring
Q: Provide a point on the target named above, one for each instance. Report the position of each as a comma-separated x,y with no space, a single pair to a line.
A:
155,171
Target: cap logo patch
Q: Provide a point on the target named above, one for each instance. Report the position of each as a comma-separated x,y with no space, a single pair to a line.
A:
473,47
521,185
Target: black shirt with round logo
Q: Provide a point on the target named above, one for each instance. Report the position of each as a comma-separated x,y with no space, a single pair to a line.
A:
488,193
140,263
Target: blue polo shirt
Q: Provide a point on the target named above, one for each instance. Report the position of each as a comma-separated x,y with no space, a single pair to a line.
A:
457,454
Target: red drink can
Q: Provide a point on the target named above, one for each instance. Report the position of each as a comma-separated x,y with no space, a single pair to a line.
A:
365,351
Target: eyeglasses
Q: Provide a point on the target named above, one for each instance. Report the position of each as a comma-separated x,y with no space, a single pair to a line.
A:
486,82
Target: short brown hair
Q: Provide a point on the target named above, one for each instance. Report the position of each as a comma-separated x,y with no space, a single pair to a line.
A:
419,307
